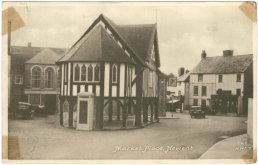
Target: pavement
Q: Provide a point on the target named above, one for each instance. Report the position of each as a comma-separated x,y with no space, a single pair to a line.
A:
182,138
237,147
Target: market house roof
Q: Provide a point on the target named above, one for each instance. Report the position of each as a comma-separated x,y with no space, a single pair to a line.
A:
46,56
98,46
223,65
136,39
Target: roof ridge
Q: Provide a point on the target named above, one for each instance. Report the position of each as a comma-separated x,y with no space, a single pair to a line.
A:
230,56
135,25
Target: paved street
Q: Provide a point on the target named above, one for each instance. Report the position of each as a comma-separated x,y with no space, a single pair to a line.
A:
43,138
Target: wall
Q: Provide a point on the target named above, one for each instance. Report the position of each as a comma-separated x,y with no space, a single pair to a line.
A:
212,85
250,120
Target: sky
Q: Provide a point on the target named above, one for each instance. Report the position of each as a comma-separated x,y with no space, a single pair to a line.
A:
184,28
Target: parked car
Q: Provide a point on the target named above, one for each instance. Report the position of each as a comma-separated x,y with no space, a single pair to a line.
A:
197,112
40,110
24,111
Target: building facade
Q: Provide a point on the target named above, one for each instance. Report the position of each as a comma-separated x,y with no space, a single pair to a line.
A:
18,56
42,80
118,63
228,77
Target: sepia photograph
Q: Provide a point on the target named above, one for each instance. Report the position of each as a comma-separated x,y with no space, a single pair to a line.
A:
126,82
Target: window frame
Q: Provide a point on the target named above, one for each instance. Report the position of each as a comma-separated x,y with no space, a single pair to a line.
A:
20,78
87,66
195,92
238,77
47,80
220,78
204,87
200,77
34,79
195,101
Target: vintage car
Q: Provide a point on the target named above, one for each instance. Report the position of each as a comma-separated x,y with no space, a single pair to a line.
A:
24,111
197,112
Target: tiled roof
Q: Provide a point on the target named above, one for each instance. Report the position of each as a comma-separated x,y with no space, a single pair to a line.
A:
97,46
223,65
46,56
138,38
184,77
21,54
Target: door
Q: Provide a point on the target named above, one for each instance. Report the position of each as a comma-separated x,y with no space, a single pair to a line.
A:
50,103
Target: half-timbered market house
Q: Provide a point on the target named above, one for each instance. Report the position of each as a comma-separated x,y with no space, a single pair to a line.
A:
119,65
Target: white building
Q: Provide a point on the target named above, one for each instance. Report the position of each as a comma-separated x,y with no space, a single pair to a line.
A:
225,75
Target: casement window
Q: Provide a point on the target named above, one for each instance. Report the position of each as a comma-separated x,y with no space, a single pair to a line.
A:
220,78
49,77
238,92
203,103
200,77
90,73
204,90
86,73
195,90
96,73
114,74
77,73
35,99
18,79
83,73
238,79
35,77
195,102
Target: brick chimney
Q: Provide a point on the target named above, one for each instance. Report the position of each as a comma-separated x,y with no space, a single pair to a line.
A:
181,71
29,44
227,53
203,55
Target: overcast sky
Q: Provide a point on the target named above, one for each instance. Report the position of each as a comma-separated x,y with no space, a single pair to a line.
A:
184,29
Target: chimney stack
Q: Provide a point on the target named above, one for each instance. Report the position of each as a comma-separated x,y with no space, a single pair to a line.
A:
181,71
29,44
227,53
204,55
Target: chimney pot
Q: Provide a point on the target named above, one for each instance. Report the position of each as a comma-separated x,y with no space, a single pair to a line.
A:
29,44
203,55
227,53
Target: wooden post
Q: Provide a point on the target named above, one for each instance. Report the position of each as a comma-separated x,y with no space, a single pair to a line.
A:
151,112
118,111
61,111
145,114
110,111
138,107
100,100
71,113
124,115
156,110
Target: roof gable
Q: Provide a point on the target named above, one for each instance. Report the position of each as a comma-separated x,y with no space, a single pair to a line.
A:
97,46
138,45
46,56
224,65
